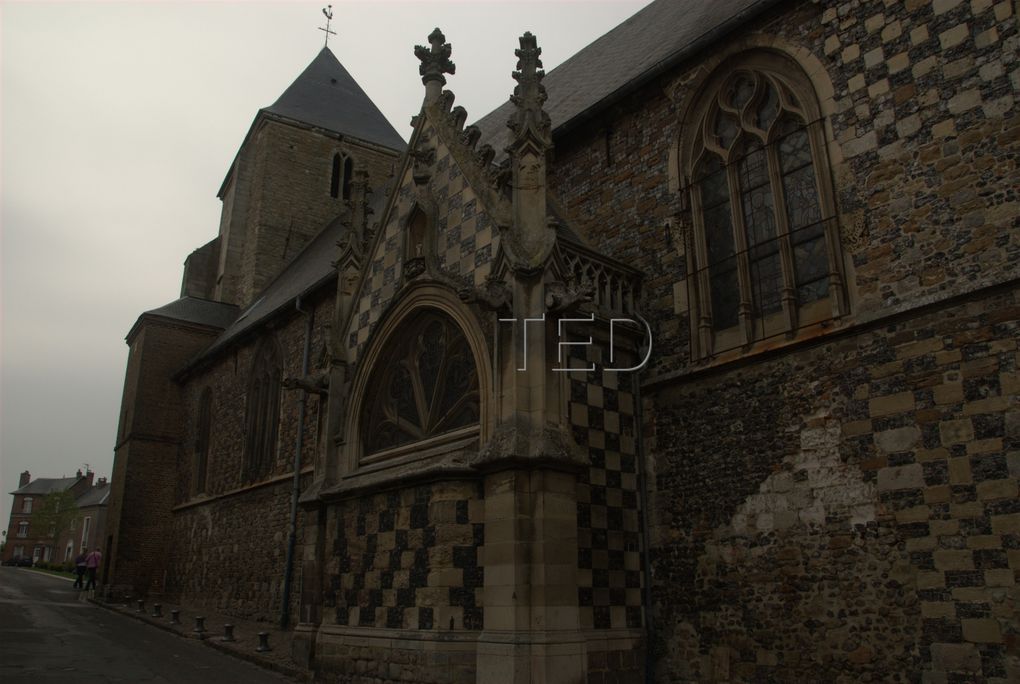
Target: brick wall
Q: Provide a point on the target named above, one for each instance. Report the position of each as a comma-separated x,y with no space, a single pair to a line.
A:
228,543
146,456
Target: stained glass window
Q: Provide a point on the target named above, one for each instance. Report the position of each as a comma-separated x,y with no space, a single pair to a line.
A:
426,384
262,412
766,248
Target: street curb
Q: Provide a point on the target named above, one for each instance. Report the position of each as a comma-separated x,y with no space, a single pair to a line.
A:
208,641
46,574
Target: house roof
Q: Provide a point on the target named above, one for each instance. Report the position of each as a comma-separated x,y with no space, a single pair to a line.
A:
46,485
656,38
327,96
97,496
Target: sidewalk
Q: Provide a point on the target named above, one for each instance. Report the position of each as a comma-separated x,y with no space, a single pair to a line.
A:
245,633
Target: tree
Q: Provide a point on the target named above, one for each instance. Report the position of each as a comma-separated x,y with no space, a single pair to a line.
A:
54,515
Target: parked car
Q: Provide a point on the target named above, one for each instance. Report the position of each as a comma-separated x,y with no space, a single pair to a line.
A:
19,561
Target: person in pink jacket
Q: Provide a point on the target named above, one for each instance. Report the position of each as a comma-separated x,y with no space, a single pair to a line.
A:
92,562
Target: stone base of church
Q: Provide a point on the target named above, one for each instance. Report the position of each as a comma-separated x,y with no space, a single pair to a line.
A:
355,655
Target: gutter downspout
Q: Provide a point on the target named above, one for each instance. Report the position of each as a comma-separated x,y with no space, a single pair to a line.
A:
288,573
639,445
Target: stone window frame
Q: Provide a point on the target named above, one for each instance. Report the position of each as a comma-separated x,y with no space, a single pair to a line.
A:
435,449
798,97
405,350
203,437
262,411
22,532
26,505
341,173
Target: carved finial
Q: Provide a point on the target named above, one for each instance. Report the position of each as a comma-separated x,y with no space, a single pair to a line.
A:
435,61
529,119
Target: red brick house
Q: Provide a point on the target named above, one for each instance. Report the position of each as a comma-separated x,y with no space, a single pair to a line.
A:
24,539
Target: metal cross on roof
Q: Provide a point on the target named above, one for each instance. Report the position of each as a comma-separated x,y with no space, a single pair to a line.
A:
328,11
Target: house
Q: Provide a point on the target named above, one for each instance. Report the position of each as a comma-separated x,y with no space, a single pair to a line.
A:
695,361
85,530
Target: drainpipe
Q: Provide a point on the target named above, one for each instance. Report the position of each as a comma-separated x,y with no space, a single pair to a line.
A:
639,445
288,572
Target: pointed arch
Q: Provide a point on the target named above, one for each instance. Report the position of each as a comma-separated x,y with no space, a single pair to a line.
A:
262,410
428,331
764,256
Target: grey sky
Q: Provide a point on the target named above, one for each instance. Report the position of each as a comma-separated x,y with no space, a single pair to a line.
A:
119,121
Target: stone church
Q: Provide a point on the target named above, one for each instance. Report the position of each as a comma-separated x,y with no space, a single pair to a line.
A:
694,361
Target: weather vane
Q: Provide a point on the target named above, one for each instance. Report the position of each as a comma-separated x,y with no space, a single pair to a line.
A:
328,11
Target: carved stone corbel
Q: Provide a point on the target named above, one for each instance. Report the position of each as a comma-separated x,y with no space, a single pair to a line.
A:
494,294
561,296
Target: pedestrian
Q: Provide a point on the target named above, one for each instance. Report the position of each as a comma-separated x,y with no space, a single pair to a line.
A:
79,571
92,562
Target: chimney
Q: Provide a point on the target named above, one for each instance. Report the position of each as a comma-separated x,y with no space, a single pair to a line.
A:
79,472
88,476
26,477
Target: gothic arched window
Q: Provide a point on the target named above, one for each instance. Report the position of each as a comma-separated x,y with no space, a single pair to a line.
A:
335,176
262,412
766,258
202,435
425,384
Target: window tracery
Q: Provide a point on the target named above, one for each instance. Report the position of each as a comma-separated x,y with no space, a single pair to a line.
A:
766,258
426,385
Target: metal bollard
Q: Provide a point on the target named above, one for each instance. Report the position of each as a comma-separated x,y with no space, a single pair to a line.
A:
263,642
199,625
141,606
157,610
228,633
175,617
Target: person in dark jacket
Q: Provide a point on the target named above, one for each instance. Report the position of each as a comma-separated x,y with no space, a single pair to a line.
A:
79,571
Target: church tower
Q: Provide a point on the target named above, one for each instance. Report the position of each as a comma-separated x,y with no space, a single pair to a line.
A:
290,177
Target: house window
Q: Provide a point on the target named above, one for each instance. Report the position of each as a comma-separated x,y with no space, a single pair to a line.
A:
765,258
26,505
202,436
263,412
68,551
426,386
22,529
85,528
19,552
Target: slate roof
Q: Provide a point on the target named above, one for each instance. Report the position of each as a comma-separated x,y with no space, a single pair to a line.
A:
327,96
656,38
195,310
97,496
46,485
651,41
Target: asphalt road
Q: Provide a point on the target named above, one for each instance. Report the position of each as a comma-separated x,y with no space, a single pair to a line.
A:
47,635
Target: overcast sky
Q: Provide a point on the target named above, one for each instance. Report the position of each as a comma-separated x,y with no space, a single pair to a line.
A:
119,121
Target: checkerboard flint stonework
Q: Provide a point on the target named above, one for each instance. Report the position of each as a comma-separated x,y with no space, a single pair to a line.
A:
608,515
465,241
409,559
